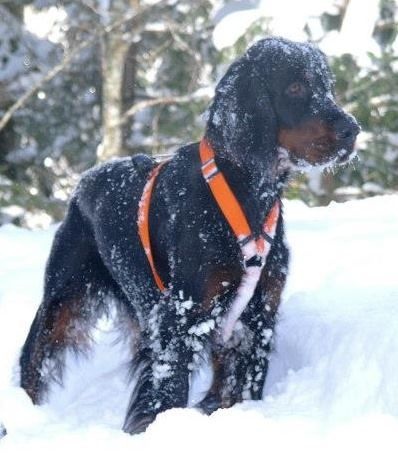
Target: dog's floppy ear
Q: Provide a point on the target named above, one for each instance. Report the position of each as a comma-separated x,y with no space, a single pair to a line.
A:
242,123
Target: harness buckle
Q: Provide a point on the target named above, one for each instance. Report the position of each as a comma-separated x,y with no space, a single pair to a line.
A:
209,169
255,261
210,176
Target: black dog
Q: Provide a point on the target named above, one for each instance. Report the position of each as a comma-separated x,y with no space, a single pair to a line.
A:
273,111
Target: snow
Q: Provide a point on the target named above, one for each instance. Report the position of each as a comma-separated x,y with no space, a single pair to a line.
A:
355,37
239,22
333,379
45,24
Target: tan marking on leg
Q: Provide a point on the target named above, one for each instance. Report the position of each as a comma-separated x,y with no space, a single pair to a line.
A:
217,283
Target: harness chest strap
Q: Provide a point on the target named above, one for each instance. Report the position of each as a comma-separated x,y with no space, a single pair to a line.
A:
254,251
233,211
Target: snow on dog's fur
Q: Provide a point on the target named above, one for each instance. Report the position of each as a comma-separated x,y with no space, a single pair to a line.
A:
277,97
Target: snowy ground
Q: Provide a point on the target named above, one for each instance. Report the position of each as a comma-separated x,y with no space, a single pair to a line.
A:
333,381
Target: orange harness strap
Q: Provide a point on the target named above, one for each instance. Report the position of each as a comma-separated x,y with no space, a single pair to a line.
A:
254,251
143,223
230,206
222,192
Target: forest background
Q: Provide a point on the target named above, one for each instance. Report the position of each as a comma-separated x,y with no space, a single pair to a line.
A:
82,81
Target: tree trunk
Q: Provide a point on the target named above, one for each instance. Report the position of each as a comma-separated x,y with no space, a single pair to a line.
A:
115,48
129,92
113,55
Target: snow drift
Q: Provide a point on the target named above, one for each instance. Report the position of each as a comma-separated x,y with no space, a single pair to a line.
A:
333,380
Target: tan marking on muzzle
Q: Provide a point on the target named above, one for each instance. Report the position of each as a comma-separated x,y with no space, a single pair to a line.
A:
313,141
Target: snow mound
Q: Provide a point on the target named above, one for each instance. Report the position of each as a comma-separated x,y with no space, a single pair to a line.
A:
333,378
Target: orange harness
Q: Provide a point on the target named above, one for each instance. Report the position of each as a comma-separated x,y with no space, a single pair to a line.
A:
143,223
254,250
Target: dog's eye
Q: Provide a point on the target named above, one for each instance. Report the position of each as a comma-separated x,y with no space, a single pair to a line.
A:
296,89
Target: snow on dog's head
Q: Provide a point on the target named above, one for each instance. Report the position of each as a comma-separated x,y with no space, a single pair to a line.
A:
280,96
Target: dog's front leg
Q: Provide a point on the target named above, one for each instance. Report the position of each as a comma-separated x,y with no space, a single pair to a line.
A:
173,337
240,365
260,319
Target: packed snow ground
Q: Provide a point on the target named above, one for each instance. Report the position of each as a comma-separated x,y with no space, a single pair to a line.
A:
333,381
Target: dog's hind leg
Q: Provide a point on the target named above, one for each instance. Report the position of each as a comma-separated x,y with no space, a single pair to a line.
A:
74,294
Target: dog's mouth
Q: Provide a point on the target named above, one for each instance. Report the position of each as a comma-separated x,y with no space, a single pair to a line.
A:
320,153
323,151
315,145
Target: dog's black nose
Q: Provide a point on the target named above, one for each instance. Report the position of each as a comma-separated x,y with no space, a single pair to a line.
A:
346,129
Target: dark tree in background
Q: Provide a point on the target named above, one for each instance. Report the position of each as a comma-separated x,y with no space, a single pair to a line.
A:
128,76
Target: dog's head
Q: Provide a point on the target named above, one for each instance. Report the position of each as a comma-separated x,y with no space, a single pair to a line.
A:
279,96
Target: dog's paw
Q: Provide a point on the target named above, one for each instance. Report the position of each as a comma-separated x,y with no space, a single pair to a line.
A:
210,403
138,423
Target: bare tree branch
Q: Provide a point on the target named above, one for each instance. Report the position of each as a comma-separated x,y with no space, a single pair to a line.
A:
90,7
185,47
50,75
65,62
141,105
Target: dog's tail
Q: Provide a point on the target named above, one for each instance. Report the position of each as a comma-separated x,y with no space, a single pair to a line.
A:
78,290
